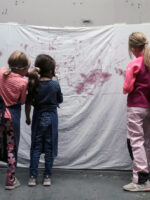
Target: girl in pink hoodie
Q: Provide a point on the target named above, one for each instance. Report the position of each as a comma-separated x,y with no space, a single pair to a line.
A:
137,86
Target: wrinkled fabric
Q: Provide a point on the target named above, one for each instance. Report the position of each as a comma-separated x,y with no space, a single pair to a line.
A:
90,65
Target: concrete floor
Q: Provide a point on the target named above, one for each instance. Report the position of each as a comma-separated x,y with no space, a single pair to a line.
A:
73,185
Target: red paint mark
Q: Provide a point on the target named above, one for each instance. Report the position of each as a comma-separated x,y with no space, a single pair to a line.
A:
69,83
95,78
51,47
99,61
71,70
52,44
120,72
25,47
72,59
57,68
1,53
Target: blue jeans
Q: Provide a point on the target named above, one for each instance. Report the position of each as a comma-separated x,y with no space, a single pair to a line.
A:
43,140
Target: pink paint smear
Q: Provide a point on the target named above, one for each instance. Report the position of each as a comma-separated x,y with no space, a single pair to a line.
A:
95,78
120,72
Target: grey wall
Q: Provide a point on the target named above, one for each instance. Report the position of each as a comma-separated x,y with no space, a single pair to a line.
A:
74,12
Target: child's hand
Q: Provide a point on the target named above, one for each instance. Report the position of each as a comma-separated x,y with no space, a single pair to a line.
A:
35,70
28,121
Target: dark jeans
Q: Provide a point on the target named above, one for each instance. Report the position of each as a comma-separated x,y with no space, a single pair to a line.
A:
43,141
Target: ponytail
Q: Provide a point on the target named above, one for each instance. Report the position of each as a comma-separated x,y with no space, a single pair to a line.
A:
7,72
140,41
33,84
146,56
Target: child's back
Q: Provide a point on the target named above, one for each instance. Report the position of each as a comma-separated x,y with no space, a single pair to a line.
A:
137,85
45,95
49,95
13,87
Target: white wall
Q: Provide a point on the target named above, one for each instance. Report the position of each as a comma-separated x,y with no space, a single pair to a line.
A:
74,12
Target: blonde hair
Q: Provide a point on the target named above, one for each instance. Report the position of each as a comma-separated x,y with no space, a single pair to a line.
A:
139,40
17,61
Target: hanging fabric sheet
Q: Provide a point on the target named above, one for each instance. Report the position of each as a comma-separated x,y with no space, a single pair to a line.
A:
91,64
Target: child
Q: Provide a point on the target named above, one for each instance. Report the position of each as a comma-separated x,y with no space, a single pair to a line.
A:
13,88
137,85
45,95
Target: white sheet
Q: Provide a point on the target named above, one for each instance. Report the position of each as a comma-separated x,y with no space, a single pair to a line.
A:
90,66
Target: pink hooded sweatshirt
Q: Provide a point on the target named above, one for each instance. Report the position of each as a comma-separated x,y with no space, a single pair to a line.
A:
137,83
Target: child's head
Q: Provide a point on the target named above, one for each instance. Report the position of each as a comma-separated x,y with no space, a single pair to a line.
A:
138,43
19,62
46,64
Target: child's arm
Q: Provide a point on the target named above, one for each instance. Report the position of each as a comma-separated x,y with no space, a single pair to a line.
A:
28,109
130,78
59,96
27,112
23,92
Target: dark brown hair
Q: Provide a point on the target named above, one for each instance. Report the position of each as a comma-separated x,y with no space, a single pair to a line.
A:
46,65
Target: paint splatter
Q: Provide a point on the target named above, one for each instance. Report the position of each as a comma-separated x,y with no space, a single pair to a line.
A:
95,78
120,72
25,47
51,47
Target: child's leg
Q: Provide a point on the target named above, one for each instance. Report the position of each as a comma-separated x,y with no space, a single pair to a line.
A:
1,136
147,138
135,119
48,153
35,154
10,149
